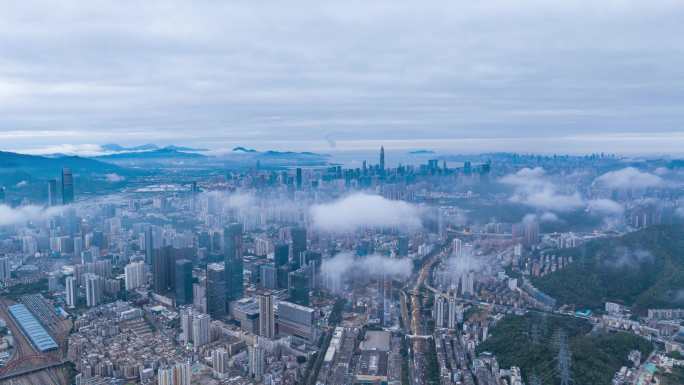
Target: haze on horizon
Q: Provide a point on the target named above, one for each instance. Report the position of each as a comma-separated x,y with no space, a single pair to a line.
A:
531,76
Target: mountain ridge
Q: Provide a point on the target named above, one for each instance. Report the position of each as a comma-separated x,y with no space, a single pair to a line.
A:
643,269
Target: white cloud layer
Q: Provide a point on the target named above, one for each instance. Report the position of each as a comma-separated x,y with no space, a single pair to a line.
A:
23,214
629,178
361,210
346,265
85,149
114,178
533,188
605,207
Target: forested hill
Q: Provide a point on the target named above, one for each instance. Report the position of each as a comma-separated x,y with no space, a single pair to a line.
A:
644,269
532,343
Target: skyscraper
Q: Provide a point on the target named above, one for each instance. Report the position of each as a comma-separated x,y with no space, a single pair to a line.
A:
219,362
296,320
134,275
298,286
5,272
282,278
94,287
457,248
182,374
149,245
186,317
269,278
256,361
165,376
2,195
312,258
78,246
266,316
298,235
216,290
440,310
199,295
455,314
71,292
183,282
163,270
52,192
382,158
232,244
530,232
281,254
200,329
67,186
402,246
468,283
179,374
299,178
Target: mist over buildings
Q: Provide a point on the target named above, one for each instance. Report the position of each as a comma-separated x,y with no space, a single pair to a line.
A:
347,266
363,210
629,178
31,213
534,188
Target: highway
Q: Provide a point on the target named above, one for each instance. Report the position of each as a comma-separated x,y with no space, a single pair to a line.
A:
419,338
30,370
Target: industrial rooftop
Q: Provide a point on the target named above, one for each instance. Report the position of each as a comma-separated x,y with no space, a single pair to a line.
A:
32,328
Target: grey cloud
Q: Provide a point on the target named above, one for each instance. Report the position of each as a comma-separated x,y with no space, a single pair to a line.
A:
548,217
114,178
628,178
661,171
21,215
95,72
628,258
533,188
362,210
460,264
605,207
346,266
233,200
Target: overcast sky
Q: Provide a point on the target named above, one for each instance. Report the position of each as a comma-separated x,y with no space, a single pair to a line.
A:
463,75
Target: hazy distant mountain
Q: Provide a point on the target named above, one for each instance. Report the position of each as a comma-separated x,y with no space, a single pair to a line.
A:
244,149
119,148
290,154
162,153
421,152
16,167
272,158
184,148
42,164
113,147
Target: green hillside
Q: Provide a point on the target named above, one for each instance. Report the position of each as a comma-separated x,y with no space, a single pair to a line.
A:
529,342
643,269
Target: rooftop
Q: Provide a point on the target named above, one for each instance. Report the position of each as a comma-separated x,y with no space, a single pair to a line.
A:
376,340
32,328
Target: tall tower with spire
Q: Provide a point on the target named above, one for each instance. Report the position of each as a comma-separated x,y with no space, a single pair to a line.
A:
382,158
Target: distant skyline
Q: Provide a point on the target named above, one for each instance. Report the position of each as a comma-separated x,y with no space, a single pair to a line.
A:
462,77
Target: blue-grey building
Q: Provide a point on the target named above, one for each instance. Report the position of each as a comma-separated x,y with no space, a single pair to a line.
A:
32,329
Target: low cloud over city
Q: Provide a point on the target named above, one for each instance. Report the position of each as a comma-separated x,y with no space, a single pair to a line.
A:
362,210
